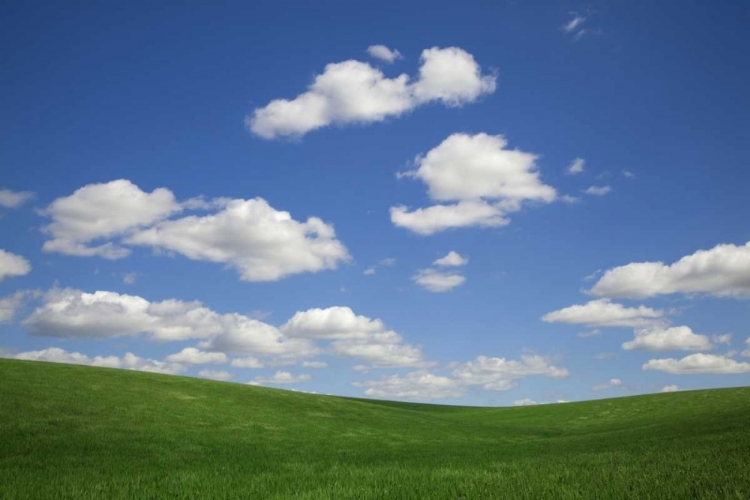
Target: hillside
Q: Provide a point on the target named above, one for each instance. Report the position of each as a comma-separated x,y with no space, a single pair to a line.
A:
91,433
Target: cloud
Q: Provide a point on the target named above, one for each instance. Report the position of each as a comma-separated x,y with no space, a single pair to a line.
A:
384,53
215,375
698,363
354,336
486,180
388,262
668,339
453,259
247,362
576,166
591,333
419,385
281,377
669,388
129,278
14,199
524,402
438,281
573,26
613,382
13,265
369,271
98,211
604,355
628,174
722,339
723,271
355,92
603,313
746,352
598,190
193,356
500,374
11,304
128,362
260,242
566,198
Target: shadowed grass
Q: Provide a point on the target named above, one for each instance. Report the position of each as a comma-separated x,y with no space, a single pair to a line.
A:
91,433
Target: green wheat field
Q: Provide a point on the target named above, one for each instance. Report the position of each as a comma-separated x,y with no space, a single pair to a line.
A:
93,433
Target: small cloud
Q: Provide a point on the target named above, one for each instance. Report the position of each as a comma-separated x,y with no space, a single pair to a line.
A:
314,364
384,53
215,375
613,382
282,377
574,23
369,271
722,339
437,281
14,199
566,198
388,262
604,355
129,278
628,174
592,276
670,388
576,166
598,190
591,333
452,259
524,402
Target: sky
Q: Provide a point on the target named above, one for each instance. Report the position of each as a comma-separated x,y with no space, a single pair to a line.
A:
483,203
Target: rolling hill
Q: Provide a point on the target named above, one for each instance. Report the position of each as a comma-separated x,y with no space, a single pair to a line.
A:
79,432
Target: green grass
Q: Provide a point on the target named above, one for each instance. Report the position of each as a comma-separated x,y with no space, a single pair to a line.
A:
91,433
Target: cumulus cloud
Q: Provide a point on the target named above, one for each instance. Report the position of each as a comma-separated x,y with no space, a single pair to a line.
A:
484,179
438,281
698,363
501,374
129,361
576,166
11,304
355,92
14,199
668,339
453,259
604,313
384,53
13,265
193,356
215,375
419,385
524,402
613,382
723,271
354,336
597,190
250,236
260,242
282,377
669,388
98,211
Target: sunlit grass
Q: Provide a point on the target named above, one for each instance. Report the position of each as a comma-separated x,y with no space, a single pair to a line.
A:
89,433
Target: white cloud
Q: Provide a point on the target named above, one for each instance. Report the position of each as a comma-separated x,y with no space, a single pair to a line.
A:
566,198
500,374
281,377
669,388
598,190
603,313
129,278
13,265
574,23
11,304
668,339
215,375
453,259
576,166
698,363
722,339
193,356
524,402
314,364
613,382
369,271
419,385
260,242
355,92
129,361
247,362
388,262
384,53
438,281
98,211
14,199
385,354
591,333
430,220
723,271
486,180
628,174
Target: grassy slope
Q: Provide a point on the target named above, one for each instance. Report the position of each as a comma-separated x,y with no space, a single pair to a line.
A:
79,432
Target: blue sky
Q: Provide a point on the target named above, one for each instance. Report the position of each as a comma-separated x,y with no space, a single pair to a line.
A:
245,182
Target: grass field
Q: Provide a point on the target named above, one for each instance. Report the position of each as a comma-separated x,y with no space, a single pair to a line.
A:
92,433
